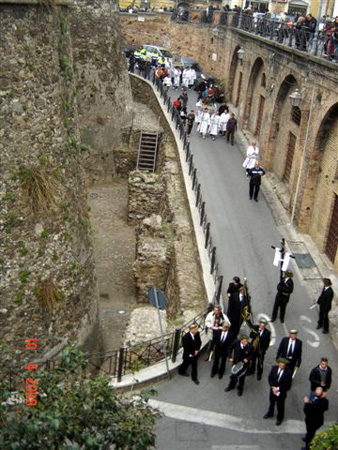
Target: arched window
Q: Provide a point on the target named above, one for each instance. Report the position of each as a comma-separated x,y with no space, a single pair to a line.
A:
263,81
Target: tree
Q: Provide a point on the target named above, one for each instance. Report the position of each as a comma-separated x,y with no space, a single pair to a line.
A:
73,411
326,440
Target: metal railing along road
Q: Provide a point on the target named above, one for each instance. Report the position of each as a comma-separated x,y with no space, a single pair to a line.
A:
293,35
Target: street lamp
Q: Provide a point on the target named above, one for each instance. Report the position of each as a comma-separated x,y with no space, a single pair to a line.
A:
295,98
240,54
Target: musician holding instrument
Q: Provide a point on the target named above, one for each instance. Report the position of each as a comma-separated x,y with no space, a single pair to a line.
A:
261,337
241,355
238,303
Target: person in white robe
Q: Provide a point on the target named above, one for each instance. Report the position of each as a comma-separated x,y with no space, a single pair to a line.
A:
225,116
214,125
177,77
185,78
252,154
205,123
199,106
192,77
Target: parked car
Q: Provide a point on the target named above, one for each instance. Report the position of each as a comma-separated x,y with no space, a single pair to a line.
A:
159,51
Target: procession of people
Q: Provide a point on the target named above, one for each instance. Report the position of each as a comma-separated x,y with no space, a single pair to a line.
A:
236,345
233,338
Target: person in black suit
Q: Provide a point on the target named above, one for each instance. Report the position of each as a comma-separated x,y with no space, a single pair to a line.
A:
191,342
242,352
325,304
223,339
284,290
290,348
234,286
320,376
261,337
237,303
314,414
280,381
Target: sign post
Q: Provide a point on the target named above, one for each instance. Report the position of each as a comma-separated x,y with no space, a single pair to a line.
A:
157,299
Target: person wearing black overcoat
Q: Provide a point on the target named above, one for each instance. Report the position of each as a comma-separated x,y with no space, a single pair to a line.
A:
237,303
241,351
325,304
290,348
320,376
191,342
261,337
314,414
280,379
284,290
223,340
234,286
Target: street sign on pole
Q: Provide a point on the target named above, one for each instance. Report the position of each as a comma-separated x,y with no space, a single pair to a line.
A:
157,299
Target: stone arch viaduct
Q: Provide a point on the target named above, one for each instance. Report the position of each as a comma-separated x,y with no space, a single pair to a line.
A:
299,145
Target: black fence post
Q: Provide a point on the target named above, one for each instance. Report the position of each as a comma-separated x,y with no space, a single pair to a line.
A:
120,367
191,157
187,156
194,178
218,290
176,344
202,213
213,260
198,193
207,235
187,148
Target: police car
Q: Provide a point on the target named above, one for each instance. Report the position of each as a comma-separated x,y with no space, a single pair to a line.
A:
153,52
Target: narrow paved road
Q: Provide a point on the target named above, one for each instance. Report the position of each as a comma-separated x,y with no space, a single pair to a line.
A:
204,416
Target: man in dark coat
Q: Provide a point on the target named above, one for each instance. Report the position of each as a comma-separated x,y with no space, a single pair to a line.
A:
290,348
280,381
190,121
325,303
231,128
191,342
242,353
255,174
261,337
314,414
223,340
284,290
320,376
237,304
234,286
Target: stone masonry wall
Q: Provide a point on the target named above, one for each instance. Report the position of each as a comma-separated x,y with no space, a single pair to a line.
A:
102,84
49,288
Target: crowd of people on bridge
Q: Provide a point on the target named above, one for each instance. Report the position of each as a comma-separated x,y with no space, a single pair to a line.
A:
246,351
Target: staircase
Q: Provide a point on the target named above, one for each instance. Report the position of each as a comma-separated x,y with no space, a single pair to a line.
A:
147,151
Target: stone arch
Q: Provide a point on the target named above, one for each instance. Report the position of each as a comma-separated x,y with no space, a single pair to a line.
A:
232,74
280,126
321,186
254,85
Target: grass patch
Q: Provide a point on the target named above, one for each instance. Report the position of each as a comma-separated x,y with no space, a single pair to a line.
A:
38,187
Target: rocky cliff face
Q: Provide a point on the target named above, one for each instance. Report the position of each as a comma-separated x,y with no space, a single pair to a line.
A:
63,91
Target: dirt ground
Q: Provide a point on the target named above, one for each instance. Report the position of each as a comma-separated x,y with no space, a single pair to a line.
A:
114,251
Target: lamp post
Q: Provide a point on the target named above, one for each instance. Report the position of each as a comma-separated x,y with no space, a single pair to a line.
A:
240,55
296,100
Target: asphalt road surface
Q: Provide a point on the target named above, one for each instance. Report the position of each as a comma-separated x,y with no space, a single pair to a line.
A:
204,416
